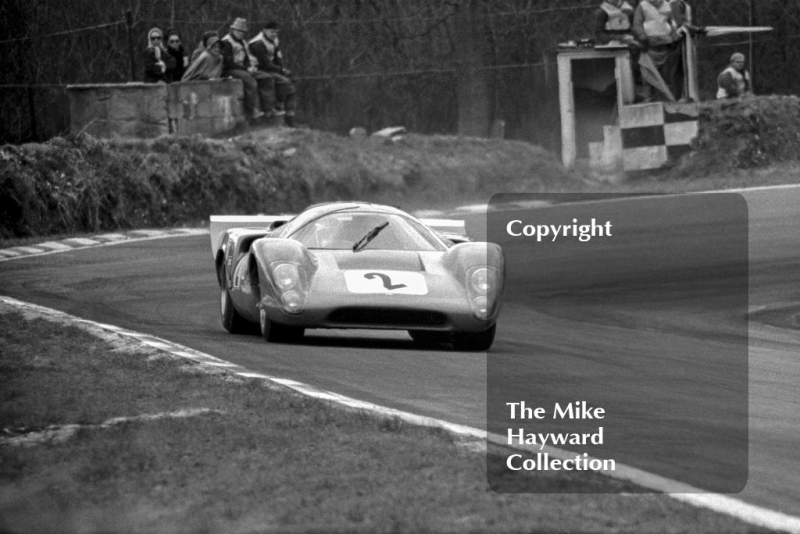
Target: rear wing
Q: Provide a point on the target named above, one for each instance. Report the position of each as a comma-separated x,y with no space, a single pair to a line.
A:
222,223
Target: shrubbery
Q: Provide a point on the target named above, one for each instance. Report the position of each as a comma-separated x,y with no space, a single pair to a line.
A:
90,185
745,134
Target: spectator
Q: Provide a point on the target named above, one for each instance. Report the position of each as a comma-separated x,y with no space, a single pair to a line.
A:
734,82
613,21
201,47
684,18
266,48
208,64
176,50
661,62
157,62
239,63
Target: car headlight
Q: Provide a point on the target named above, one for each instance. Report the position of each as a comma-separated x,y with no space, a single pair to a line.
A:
483,287
286,276
479,280
292,301
291,285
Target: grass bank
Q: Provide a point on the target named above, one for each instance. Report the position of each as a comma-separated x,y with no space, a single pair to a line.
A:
107,438
88,185
93,185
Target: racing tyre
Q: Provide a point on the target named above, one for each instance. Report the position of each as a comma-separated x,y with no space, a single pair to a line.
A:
278,333
231,320
426,338
474,341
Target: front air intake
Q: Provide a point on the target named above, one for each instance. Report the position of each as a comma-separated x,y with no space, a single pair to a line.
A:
384,317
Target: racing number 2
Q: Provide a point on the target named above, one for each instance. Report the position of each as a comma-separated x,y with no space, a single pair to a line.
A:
387,281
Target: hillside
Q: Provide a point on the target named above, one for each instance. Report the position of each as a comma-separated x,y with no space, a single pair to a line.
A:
90,185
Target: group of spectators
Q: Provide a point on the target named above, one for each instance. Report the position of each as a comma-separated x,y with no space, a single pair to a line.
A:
258,63
655,32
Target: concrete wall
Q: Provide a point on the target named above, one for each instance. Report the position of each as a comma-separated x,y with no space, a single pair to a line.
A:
143,110
205,107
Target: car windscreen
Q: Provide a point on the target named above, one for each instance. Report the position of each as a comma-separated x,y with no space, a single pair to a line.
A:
342,230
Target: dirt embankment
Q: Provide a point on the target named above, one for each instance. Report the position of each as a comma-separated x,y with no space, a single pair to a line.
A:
90,185
750,133
68,186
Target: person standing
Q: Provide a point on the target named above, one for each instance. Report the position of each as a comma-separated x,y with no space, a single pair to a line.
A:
266,48
656,29
239,63
178,53
734,82
157,61
613,21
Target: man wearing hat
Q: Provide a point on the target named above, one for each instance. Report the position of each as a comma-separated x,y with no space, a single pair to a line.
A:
238,62
266,48
734,82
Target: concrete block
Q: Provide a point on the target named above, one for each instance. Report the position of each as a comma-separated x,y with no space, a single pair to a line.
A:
140,129
197,125
680,133
641,115
644,158
681,111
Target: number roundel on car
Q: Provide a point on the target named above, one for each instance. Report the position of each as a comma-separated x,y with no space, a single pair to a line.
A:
385,282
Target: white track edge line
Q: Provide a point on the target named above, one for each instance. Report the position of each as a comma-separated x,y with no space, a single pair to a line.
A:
749,513
199,232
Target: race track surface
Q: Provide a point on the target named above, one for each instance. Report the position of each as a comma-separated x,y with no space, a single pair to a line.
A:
168,288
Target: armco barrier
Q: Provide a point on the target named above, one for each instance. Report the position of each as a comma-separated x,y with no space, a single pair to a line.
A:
144,110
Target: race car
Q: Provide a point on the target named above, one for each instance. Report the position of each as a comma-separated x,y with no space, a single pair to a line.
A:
356,265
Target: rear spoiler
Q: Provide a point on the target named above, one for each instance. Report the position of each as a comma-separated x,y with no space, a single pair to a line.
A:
221,223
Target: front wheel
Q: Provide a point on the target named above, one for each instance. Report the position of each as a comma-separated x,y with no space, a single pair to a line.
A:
474,341
279,333
231,320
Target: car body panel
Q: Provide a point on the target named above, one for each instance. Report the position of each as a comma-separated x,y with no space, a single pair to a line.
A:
375,289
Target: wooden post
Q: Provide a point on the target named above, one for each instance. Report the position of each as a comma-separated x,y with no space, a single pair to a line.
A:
751,46
131,55
32,110
568,148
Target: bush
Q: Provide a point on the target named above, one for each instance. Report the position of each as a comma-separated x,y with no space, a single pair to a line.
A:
749,133
91,185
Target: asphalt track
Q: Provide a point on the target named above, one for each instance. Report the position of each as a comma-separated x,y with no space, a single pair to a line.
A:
167,288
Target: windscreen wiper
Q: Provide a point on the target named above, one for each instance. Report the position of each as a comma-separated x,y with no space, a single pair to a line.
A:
362,243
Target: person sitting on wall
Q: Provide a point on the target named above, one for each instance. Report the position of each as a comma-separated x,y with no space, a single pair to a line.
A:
208,65
661,62
239,63
176,50
266,48
734,82
157,61
201,47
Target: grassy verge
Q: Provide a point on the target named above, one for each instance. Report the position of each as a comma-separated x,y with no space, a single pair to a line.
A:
89,185
245,457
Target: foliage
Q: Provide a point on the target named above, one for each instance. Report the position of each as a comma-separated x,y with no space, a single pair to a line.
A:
745,134
90,185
